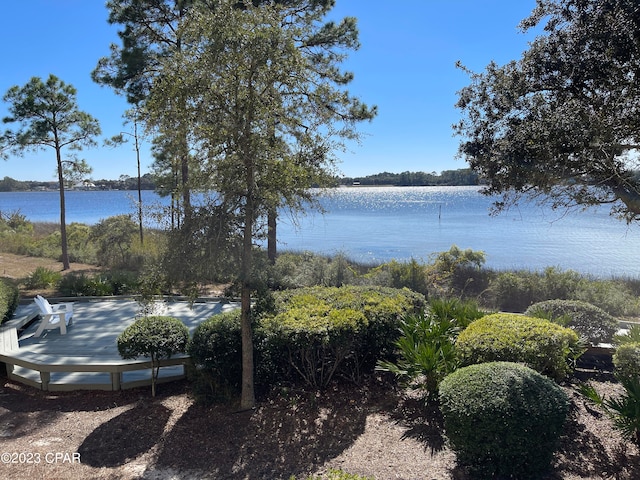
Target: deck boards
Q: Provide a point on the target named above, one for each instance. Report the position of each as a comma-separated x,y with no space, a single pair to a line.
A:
90,343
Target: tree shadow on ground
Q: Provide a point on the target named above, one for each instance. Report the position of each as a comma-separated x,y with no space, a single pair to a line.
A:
425,424
292,432
126,436
423,421
24,410
583,452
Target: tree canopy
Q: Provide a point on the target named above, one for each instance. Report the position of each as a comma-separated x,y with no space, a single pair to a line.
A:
257,90
48,116
150,32
562,123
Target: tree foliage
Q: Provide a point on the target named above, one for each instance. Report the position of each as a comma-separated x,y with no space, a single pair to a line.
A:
113,238
562,123
48,116
150,32
259,89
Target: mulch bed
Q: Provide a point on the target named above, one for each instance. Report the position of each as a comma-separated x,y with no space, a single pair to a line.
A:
373,430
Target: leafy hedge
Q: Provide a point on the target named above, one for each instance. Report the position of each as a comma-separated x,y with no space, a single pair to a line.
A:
502,419
591,322
9,297
542,345
626,359
216,348
99,285
319,332
310,334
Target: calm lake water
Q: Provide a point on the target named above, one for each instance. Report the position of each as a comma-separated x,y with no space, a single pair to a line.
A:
380,224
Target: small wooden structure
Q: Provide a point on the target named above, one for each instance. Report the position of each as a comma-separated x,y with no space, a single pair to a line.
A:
87,358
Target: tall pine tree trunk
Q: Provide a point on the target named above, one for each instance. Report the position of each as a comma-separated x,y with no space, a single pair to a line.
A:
63,219
272,224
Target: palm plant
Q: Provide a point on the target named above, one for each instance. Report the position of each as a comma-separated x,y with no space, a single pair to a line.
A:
632,335
426,352
624,410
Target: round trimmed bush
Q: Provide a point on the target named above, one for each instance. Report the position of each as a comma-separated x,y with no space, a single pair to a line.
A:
591,322
502,419
156,337
216,347
542,345
627,360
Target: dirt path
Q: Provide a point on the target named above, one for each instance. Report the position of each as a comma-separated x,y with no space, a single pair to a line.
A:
17,267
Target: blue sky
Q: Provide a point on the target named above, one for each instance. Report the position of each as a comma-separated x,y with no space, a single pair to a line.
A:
405,66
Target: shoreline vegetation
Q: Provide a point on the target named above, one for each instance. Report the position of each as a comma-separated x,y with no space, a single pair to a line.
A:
123,266
458,177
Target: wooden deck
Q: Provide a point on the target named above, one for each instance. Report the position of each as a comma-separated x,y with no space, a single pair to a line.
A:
87,356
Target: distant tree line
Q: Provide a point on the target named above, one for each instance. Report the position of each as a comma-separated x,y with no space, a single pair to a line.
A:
8,184
464,176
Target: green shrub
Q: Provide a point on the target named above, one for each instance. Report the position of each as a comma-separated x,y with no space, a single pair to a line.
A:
15,222
632,335
626,360
394,274
542,345
321,331
9,297
502,419
45,242
514,291
316,336
457,271
121,282
156,337
216,349
426,352
99,285
113,237
558,283
617,297
306,269
81,249
589,321
462,311
42,277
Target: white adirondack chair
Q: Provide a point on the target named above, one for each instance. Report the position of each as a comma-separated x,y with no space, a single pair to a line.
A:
53,316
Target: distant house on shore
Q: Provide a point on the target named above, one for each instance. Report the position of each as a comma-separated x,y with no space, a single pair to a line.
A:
84,185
